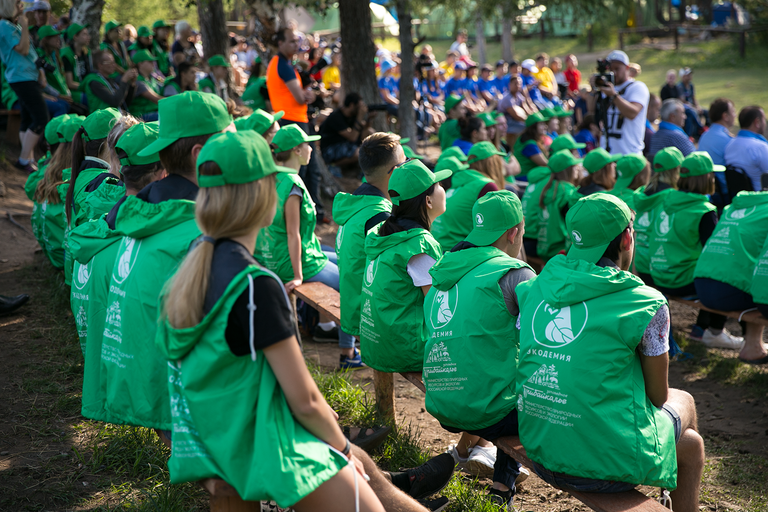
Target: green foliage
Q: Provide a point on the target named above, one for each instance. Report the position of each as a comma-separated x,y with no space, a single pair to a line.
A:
467,496
59,7
145,12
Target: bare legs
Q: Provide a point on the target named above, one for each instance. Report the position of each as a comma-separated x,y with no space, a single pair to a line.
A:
753,343
690,453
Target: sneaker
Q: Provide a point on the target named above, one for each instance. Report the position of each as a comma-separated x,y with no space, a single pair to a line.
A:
722,340
432,477
351,363
28,167
522,477
481,461
320,335
435,505
457,459
696,333
502,499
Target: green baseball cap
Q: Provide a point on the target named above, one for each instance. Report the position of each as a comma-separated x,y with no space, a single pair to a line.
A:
160,24
260,121
451,101
68,128
52,128
412,178
538,174
451,163
548,113
74,29
559,111
492,215
110,25
561,160
242,156
667,158
288,137
699,163
136,138
455,152
597,159
487,119
219,60
535,118
97,125
47,31
627,168
409,153
593,222
565,141
143,56
188,114
483,150
143,31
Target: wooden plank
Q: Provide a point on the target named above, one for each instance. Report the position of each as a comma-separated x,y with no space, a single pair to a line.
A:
383,385
632,501
12,126
748,316
415,379
233,504
321,297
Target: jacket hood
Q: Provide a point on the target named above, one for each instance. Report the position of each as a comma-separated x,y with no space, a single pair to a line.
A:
566,282
375,244
678,201
455,265
140,219
466,176
345,206
90,238
538,174
749,199
645,202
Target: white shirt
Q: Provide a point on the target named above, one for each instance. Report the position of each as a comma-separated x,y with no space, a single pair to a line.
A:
460,48
749,154
632,131
418,269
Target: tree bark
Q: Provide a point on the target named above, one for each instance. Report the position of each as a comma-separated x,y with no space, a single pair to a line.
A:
88,12
507,43
358,70
213,28
480,38
405,113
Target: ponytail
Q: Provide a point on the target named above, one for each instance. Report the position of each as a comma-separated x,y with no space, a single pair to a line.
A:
47,188
80,149
414,209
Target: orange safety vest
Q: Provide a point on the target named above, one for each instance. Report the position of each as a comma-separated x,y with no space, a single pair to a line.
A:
281,97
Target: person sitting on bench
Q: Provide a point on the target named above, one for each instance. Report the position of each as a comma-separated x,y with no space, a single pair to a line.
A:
632,173
594,406
471,312
728,274
554,200
601,169
684,224
263,123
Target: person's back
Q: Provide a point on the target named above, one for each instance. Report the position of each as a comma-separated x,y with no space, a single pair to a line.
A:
555,199
748,152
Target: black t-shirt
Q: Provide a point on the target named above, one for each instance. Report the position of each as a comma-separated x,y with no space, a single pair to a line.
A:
592,188
669,91
334,124
172,186
272,318
366,189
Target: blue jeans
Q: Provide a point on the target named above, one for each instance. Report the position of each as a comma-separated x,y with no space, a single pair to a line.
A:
329,276
57,108
150,117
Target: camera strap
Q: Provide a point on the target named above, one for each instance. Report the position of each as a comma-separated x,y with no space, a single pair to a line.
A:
620,120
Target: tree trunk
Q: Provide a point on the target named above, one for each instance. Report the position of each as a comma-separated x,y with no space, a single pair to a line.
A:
88,12
405,113
213,28
507,43
358,70
480,38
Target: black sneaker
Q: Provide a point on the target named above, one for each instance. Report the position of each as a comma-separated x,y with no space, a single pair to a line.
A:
435,505
502,499
323,336
432,477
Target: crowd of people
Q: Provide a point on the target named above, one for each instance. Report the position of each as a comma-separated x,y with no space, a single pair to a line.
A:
181,242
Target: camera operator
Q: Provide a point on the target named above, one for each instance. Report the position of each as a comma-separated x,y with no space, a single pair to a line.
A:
622,107
343,131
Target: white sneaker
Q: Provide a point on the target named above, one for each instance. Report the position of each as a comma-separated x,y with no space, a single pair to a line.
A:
481,461
458,459
722,340
522,477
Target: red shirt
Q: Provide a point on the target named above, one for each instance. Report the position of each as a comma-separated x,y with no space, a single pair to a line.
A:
574,78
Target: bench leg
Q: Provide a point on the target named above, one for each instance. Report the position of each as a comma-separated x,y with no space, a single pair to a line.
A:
12,130
233,504
383,384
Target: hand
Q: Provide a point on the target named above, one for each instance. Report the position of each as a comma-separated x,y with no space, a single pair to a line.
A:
608,90
129,76
68,99
335,414
22,21
309,96
358,466
362,112
291,285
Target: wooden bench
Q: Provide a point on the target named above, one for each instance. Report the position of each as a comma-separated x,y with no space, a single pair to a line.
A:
326,301
630,501
12,126
224,497
753,316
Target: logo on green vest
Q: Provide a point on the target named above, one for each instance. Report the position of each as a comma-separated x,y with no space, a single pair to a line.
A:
576,237
370,272
660,252
82,318
114,316
443,307
367,307
664,224
741,213
128,252
546,376
82,275
339,236
556,328
545,213
645,220
479,220
439,354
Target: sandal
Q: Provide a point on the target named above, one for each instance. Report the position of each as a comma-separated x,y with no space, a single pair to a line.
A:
762,360
367,441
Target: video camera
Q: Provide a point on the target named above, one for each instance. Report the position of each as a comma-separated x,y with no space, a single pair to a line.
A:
603,76
41,63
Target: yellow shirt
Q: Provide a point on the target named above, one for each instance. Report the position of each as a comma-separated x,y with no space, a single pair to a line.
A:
547,79
331,75
448,70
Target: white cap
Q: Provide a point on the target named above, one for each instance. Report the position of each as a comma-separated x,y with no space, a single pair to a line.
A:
685,71
39,6
618,56
530,65
387,65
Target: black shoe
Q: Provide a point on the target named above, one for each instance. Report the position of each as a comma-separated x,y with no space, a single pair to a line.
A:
323,336
503,499
435,505
432,477
11,304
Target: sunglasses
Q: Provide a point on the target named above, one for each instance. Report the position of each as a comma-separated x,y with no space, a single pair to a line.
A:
400,165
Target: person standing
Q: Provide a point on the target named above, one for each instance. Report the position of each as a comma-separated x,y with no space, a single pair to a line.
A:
42,11
572,74
460,44
748,152
687,94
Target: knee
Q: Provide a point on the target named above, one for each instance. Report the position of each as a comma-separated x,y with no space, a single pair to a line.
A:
682,402
690,449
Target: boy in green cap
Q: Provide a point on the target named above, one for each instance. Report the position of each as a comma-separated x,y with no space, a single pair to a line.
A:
569,392
449,130
632,174
158,225
601,169
215,82
143,40
183,81
554,200
148,93
471,312
161,48
528,148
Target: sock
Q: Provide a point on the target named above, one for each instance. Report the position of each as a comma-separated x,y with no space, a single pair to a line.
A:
402,481
326,326
23,161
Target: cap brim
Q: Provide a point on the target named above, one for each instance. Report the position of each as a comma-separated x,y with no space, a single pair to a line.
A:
312,138
405,140
443,175
579,145
283,170
277,115
157,146
590,254
718,168
483,238
622,183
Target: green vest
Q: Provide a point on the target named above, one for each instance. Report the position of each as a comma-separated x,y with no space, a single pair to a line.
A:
163,61
392,329
94,103
30,186
260,450
470,364
94,249
647,208
56,77
530,201
582,405
68,54
448,133
140,105
675,245
157,237
272,242
627,195
454,225
252,96
759,287
51,226
120,56
731,253
526,164
206,85
352,213
552,236
173,84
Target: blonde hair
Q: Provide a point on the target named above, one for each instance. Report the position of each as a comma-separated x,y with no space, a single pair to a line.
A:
8,9
493,167
670,177
117,131
46,190
228,211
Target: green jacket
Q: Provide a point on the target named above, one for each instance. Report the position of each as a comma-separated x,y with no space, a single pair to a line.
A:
468,321
51,226
582,403
627,195
163,60
55,78
760,276
252,96
647,208
68,54
552,236
352,213
448,133
454,225
30,186
140,105
526,164
392,329
156,237
94,103
531,210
